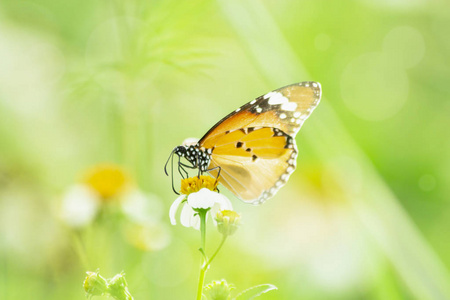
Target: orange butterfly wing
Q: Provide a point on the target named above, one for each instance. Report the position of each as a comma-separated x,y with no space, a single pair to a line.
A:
254,145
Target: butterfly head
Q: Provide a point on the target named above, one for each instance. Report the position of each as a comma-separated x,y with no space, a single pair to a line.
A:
180,151
190,153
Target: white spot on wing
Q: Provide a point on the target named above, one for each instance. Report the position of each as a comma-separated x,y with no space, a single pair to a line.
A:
282,116
297,114
268,95
290,106
258,110
238,109
253,101
277,98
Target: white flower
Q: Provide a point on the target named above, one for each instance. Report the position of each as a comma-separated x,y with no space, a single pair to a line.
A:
142,208
79,206
203,199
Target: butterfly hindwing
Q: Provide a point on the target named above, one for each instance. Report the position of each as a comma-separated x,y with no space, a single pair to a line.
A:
259,167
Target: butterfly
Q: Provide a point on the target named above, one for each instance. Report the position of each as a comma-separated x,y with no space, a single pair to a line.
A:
252,151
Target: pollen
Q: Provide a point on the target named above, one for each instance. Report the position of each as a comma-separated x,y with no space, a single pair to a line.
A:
195,184
108,180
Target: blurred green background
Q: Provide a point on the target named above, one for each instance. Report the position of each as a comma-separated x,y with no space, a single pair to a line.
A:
365,216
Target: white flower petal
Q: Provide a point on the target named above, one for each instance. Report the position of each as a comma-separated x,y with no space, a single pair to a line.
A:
224,202
187,216
79,206
174,208
195,222
202,199
213,212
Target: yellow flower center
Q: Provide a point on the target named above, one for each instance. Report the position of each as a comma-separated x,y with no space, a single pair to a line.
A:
108,180
195,184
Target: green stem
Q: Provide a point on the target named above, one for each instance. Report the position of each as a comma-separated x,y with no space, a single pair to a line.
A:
224,238
80,250
205,267
203,229
201,279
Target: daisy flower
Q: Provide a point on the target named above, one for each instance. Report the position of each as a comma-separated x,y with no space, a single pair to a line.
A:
198,193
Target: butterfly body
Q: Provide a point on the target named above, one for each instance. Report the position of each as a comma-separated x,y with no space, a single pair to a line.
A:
198,157
253,148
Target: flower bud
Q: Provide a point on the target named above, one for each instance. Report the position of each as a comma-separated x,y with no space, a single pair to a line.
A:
118,288
228,222
95,284
219,290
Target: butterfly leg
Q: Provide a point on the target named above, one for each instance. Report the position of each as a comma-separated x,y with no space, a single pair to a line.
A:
180,168
218,172
199,168
181,165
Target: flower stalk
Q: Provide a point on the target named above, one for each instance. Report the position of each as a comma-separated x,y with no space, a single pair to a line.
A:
199,199
225,229
201,279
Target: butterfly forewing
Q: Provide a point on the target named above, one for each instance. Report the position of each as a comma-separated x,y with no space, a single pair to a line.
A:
254,146
285,108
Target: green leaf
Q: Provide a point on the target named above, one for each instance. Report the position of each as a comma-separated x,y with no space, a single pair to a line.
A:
255,291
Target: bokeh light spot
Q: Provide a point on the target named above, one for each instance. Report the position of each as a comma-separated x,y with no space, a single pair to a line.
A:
404,46
373,88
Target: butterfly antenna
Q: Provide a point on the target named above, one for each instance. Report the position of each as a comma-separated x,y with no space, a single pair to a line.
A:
165,166
171,167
